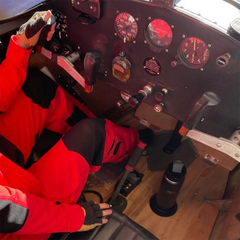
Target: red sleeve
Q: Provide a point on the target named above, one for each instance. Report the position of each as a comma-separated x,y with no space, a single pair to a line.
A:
24,213
12,73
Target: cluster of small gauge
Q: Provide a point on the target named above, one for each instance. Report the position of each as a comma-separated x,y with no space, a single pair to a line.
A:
61,24
192,52
60,32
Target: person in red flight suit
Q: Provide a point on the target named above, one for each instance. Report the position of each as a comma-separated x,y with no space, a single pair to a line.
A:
41,200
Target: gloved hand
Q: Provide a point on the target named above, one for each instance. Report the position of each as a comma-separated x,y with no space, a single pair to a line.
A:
29,32
94,215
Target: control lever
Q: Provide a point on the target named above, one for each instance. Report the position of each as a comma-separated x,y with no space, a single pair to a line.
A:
145,138
207,100
136,100
91,64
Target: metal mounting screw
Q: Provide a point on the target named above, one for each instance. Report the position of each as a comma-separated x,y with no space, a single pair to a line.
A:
134,42
91,7
145,41
237,155
201,69
209,45
218,145
149,18
172,26
166,50
183,36
117,11
115,34
136,19
202,119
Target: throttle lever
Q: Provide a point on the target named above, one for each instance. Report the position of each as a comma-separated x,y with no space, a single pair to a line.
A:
91,65
207,100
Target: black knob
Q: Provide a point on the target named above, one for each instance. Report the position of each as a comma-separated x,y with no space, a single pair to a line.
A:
135,100
91,64
160,95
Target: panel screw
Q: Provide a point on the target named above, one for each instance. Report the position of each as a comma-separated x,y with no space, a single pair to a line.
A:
166,50
201,69
218,145
149,18
209,45
237,155
136,19
145,41
134,42
183,36
117,11
115,34
172,26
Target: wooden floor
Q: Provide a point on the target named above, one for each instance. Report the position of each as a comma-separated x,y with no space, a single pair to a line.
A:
194,219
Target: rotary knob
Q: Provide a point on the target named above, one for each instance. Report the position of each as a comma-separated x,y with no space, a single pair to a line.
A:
158,107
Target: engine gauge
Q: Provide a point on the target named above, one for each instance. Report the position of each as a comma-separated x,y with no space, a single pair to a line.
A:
159,34
126,26
193,52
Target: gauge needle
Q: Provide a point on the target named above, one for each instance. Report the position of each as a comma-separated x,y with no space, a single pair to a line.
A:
194,48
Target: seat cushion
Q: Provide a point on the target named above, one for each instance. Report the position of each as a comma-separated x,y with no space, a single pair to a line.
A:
119,227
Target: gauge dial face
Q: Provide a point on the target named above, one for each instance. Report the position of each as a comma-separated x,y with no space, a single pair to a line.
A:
159,34
126,26
193,52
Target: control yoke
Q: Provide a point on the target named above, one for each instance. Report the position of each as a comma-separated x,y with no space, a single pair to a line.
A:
208,99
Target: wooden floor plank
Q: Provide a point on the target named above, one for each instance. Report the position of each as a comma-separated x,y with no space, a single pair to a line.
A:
231,227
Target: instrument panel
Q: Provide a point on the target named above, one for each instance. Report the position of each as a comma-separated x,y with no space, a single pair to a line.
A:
159,46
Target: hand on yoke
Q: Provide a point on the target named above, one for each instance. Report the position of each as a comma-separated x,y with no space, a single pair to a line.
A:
29,33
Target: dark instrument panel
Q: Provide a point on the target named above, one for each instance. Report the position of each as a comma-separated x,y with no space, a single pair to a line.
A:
166,49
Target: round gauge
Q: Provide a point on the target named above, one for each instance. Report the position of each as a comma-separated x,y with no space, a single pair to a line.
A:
54,45
193,52
126,26
159,34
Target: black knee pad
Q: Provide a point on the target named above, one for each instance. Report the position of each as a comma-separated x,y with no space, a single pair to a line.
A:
39,88
87,138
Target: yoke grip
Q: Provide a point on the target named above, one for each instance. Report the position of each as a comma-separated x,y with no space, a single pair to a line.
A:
45,31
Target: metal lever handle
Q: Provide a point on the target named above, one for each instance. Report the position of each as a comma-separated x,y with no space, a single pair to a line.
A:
91,64
207,100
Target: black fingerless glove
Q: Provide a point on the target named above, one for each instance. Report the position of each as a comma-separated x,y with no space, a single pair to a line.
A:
93,213
33,25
